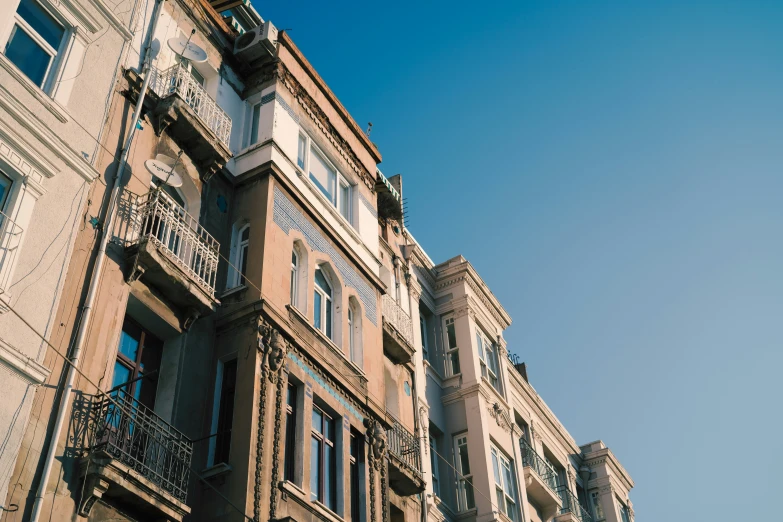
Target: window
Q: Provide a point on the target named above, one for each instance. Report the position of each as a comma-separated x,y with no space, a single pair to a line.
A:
35,40
452,354
489,360
355,332
294,276
423,326
322,303
598,511
5,189
357,476
139,354
503,470
333,185
290,432
254,124
434,464
239,257
625,515
465,499
350,333
185,64
323,459
226,385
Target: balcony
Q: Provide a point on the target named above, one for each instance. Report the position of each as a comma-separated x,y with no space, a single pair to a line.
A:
540,480
134,458
397,331
170,251
404,461
572,510
181,107
10,241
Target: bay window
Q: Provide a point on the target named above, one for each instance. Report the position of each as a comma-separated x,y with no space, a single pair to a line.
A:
324,175
489,360
36,39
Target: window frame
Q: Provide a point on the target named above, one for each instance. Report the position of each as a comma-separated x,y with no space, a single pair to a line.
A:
502,463
466,499
484,345
291,424
340,180
295,267
327,304
451,352
356,469
322,472
598,510
240,249
216,404
434,464
56,56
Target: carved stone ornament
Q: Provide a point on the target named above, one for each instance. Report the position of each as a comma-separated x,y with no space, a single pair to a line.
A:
376,437
273,348
500,416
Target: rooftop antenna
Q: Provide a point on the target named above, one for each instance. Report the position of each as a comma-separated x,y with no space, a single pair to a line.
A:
369,129
186,49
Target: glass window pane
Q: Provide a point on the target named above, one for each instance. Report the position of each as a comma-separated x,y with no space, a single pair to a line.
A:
322,175
122,374
452,335
501,500
27,55
5,188
315,468
42,22
470,501
463,459
495,468
317,309
455,369
200,80
317,420
345,201
254,124
329,486
129,340
300,153
328,305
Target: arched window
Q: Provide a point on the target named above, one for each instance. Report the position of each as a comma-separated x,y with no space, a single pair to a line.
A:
294,275
323,303
355,332
240,246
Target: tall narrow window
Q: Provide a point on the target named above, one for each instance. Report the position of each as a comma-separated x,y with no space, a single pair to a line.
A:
355,332
5,189
423,326
294,276
503,471
625,515
254,122
323,459
323,175
489,362
322,303
452,353
345,199
465,499
240,246
138,355
434,465
350,332
36,38
225,417
357,476
598,511
301,152
290,432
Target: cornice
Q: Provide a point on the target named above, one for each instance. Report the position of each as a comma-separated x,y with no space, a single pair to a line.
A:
606,457
464,272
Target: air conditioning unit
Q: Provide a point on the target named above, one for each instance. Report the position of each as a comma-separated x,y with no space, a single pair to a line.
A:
256,43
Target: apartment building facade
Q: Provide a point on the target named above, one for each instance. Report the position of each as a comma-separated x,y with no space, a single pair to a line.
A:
253,351
58,62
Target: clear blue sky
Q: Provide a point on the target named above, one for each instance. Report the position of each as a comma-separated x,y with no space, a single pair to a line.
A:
614,172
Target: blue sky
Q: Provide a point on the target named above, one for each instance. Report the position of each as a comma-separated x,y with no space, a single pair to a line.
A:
614,172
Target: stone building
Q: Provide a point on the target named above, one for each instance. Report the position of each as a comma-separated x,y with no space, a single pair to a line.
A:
253,351
58,65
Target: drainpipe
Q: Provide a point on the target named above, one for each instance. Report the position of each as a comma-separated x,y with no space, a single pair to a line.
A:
105,234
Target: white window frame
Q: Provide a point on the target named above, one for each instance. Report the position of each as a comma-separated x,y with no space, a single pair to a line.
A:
56,55
452,352
504,491
488,361
340,180
327,302
434,465
464,480
239,251
216,406
295,267
423,329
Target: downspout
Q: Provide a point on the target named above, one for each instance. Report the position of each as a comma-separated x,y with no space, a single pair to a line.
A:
105,234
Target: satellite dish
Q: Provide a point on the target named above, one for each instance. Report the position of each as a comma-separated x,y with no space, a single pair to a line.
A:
187,49
162,167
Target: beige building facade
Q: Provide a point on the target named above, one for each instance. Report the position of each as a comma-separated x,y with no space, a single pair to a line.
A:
267,341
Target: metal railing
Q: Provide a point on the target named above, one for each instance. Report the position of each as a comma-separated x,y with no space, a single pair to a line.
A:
10,239
178,80
396,316
540,466
164,222
571,505
133,434
403,445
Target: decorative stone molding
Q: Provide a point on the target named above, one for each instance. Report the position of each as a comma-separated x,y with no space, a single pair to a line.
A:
424,422
607,489
501,417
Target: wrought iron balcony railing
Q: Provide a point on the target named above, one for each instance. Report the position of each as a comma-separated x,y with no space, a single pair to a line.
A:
161,220
178,80
396,316
10,239
132,433
540,466
571,505
405,447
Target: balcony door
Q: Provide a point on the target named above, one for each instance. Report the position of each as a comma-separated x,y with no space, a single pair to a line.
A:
138,355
